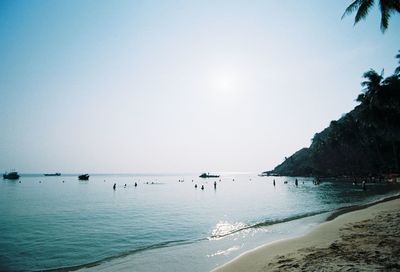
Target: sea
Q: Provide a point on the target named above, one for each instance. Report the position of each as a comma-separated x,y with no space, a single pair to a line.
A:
58,223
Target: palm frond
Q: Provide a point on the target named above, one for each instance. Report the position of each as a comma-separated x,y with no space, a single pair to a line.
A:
363,10
397,71
388,7
385,15
373,80
371,74
350,9
394,4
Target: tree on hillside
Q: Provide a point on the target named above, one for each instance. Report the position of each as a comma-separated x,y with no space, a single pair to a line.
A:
371,86
373,82
382,97
387,8
397,71
365,141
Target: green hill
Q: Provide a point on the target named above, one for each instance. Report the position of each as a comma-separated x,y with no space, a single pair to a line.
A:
365,141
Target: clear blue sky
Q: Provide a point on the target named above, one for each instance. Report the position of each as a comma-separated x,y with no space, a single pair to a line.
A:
177,86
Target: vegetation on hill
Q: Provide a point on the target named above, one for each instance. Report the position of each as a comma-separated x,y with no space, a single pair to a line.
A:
365,141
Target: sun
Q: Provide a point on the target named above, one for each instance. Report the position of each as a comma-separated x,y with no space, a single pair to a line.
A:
225,83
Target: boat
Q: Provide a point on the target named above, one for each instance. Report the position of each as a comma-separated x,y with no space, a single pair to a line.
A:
207,175
52,175
84,177
11,175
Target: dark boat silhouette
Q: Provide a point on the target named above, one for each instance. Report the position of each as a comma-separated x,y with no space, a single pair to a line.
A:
207,175
51,175
11,175
84,177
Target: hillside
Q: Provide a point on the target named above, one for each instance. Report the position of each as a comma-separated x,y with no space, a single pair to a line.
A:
365,141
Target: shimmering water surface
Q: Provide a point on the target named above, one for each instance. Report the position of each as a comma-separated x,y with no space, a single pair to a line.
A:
163,224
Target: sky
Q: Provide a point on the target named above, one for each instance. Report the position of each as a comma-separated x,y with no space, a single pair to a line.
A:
177,86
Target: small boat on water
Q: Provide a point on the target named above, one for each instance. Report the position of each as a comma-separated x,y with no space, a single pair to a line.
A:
11,175
207,175
52,175
84,177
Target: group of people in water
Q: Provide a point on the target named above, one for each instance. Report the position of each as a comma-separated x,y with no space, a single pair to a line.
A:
316,181
202,186
115,186
296,182
195,186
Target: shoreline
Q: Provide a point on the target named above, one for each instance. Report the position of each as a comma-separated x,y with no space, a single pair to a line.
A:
353,208
322,247
325,216
332,216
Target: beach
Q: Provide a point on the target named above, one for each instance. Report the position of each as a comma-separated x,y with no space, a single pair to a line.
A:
362,240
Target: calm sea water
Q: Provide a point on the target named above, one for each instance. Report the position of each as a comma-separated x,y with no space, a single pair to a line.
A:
163,224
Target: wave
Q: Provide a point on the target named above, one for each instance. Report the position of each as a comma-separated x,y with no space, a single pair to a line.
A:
224,229
356,207
332,215
221,230
123,254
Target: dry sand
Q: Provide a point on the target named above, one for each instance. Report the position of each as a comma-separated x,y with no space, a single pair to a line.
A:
362,240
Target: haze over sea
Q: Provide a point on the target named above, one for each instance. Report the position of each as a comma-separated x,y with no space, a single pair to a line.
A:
169,87
163,224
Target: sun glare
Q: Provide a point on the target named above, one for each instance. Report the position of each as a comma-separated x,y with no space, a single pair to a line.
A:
225,83
228,84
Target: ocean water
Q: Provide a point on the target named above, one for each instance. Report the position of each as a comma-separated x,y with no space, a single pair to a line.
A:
163,224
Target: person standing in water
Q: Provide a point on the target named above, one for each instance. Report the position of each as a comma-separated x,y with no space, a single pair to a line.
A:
215,185
114,186
274,182
296,182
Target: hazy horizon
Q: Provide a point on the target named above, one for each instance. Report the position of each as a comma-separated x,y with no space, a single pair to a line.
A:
175,86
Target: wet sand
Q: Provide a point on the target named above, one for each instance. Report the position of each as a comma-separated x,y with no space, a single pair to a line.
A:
362,240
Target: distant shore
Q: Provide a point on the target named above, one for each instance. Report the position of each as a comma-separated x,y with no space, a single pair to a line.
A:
363,237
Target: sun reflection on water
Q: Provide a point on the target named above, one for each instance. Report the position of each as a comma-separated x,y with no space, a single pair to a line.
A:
224,228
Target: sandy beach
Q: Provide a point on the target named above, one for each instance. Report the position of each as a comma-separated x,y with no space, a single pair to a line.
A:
361,240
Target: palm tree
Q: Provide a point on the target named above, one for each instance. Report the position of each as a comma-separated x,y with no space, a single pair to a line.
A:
397,71
387,7
373,82
371,86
